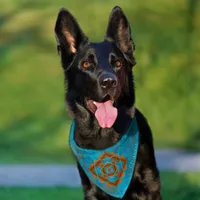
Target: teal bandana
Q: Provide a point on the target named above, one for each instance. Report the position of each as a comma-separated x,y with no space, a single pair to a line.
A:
111,169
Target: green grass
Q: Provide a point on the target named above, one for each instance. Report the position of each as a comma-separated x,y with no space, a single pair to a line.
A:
34,124
180,186
41,194
175,186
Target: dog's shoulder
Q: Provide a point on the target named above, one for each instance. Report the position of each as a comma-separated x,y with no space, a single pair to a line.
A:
144,128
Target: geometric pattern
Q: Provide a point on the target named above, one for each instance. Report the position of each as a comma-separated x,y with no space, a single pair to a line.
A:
109,168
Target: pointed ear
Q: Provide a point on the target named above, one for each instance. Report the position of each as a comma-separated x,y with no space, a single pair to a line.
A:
119,32
69,35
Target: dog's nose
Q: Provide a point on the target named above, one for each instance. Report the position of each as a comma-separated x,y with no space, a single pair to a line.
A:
108,81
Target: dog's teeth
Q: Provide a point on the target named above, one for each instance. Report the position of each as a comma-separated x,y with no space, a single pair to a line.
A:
94,102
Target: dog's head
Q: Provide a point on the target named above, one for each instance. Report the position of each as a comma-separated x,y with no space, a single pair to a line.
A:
98,75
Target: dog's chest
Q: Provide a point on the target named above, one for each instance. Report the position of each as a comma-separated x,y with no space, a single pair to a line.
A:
100,140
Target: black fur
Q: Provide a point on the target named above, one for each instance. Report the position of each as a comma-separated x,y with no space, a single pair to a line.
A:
83,84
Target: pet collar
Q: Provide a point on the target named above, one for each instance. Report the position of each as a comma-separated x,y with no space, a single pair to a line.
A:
111,169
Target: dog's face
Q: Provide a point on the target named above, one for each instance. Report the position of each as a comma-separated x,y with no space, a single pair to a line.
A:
98,75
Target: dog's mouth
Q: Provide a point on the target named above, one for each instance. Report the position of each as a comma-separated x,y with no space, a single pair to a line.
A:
104,111
92,105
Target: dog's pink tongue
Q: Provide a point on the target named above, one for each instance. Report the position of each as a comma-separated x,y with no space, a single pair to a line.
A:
106,114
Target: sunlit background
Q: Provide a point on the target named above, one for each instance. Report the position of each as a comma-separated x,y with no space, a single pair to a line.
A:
34,124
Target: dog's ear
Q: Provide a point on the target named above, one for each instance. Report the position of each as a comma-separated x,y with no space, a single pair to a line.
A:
69,36
119,31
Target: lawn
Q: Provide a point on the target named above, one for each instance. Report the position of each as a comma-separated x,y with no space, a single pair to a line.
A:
34,124
183,186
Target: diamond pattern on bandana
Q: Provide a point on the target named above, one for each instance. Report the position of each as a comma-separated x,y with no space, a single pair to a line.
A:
109,168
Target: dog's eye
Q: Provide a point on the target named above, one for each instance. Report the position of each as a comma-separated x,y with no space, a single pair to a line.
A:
118,64
85,64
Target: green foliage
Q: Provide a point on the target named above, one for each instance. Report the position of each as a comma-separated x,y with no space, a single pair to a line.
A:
174,186
34,125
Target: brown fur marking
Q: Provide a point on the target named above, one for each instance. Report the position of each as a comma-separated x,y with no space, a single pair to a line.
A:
70,39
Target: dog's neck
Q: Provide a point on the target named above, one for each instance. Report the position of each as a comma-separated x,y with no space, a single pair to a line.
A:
88,133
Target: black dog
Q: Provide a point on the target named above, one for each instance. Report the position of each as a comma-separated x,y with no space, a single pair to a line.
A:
100,96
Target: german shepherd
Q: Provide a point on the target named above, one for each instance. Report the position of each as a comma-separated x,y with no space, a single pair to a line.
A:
100,96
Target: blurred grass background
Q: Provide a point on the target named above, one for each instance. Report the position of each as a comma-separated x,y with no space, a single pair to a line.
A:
34,124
